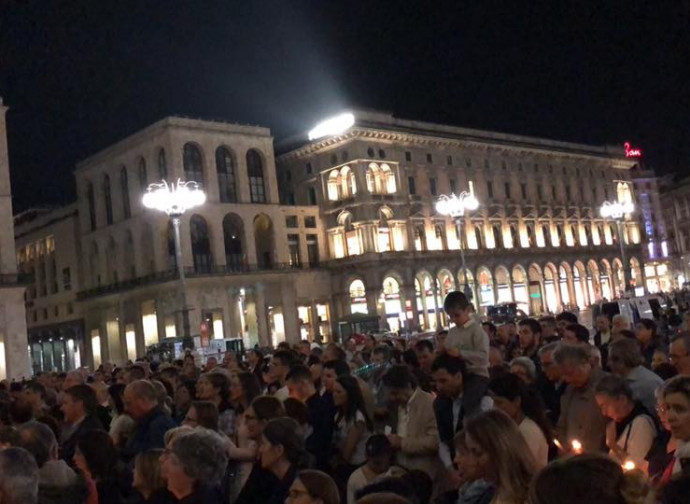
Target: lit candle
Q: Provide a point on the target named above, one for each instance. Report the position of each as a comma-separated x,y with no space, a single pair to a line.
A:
577,446
558,444
628,465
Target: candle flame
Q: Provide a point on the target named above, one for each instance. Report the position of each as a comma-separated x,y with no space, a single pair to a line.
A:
629,465
558,444
577,446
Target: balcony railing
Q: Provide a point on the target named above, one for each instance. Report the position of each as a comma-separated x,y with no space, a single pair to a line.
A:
190,272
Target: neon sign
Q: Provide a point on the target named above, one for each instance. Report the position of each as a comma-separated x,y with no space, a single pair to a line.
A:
631,152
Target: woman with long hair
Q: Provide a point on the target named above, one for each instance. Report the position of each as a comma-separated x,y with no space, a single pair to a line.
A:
215,387
511,395
244,387
646,334
185,393
353,425
202,414
148,480
502,455
281,452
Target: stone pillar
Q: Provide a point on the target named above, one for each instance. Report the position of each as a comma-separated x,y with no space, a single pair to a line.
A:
410,294
242,177
261,316
290,318
315,323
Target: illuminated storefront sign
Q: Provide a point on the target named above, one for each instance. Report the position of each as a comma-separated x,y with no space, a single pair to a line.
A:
631,151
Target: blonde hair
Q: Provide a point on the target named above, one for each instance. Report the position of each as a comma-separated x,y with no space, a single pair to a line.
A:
172,434
514,466
148,465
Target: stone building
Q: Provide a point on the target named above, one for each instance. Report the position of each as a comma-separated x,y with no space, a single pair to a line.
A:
346,224
13,343
537,238
676,208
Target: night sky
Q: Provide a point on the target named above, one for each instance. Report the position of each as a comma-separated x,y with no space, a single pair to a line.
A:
80,75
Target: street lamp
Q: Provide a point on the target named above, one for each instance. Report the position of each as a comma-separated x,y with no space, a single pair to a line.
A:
455,206
175,199
617,211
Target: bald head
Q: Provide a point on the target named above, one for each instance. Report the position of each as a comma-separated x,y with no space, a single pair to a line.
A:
140,398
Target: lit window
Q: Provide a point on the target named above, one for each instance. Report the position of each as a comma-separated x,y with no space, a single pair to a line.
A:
664,249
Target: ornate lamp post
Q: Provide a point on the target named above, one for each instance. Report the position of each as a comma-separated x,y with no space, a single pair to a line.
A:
175,199
617,211
455,206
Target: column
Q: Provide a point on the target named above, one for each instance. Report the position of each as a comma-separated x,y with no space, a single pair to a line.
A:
261,316
242,177
315,322
13,333
234,320
290,318
410,295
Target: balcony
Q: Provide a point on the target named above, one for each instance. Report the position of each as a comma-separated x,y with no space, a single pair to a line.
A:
190,272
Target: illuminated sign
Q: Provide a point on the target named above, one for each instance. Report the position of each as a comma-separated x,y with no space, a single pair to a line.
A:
332,126
632,152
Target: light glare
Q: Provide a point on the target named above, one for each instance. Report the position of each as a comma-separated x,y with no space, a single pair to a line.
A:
616,210
456,205
175,198
332,126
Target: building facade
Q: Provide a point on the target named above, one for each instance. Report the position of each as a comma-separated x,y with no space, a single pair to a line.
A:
344,224
676,209
537,238
49,252
13,343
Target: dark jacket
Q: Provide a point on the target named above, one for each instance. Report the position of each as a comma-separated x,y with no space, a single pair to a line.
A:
443,410
75,493
321,415
551,395
70,444
203,495
280,492
259,486
149,433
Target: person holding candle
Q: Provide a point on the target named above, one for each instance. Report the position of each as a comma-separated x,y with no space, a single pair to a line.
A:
580,418
631,433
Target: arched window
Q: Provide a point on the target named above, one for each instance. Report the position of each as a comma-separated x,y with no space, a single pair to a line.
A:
192,162
108,201
233,233
90,197
373,179
143,178
347,184
124,189
201,244
358,300
332,186
255,171
226,175
162,165
387,179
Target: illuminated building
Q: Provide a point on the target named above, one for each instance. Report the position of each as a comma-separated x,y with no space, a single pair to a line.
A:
675,201
537,238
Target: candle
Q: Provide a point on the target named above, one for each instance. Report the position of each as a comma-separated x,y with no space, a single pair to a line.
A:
577,446
628,465
558,444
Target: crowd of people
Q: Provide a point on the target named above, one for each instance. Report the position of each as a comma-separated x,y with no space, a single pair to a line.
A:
537,411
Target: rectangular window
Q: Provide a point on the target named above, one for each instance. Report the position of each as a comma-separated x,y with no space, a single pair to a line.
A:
432,186
257,191
291,199
291,221
312,250
288,175
468,162
523,190
449,160
312,196
310,222
540,193
309,168
490,189
408,156
411,185
429,159
293,246
507,190
553,192
567,193
452,185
